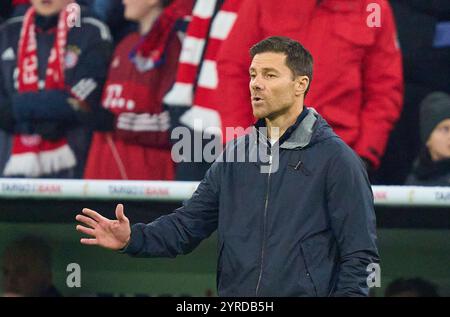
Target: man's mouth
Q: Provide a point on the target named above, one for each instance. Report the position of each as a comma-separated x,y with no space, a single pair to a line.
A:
256,99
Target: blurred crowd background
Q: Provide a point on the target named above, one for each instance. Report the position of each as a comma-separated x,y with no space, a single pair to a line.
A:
98,99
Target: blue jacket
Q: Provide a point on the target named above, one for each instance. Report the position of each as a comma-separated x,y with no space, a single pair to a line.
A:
306,228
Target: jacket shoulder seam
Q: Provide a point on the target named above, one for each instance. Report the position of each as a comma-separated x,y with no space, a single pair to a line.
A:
14,20
103,29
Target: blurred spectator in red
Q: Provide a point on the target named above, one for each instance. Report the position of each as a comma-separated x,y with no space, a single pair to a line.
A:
432,168
142,70
191,99
357,84
27,269
51,77
424,35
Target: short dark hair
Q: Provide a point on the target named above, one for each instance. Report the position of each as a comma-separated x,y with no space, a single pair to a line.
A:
33,248
418,286
166,3
298,58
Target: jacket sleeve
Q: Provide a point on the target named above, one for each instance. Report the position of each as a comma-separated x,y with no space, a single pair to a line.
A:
181,231
42,105
352,217
382,89
6,114
86,86
233,62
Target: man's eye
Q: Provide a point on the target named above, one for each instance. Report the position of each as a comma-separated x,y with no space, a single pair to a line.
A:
271,75
444,129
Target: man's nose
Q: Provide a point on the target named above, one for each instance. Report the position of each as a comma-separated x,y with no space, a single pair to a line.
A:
256,84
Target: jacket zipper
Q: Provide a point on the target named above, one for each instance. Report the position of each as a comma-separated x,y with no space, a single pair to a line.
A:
264,225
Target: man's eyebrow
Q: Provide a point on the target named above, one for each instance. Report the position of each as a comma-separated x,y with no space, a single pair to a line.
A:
265,69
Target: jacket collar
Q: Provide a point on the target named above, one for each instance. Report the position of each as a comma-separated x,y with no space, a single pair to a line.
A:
260,126
301,136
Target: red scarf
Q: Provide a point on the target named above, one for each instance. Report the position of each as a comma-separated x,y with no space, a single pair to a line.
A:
31,156
150,51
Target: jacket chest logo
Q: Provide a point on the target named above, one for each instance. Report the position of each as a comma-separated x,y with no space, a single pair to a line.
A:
72,56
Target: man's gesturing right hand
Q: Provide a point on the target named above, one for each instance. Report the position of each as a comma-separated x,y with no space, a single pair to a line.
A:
110,234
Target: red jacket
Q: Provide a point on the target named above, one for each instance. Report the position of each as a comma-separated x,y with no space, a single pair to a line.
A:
357,82
138,148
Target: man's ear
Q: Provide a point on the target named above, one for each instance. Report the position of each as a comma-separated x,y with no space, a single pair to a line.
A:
301,85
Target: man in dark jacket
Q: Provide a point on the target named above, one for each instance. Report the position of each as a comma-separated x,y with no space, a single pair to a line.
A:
301,225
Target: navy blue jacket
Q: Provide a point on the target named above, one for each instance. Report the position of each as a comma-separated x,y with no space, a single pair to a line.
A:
49,112
307,228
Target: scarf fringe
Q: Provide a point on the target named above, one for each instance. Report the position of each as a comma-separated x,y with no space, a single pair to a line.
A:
202,119
180,95
38,164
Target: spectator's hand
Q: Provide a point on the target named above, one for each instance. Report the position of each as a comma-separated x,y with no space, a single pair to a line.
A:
49,130
7,120
106,233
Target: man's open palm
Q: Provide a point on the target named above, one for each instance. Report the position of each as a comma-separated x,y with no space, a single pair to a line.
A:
111,234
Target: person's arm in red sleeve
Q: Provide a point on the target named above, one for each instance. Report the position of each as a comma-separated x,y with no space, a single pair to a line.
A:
233,95
382,90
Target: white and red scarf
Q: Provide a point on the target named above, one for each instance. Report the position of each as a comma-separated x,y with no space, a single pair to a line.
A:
32,156
197,77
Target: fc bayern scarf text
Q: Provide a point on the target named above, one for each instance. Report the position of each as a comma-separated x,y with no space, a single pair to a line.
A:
32,156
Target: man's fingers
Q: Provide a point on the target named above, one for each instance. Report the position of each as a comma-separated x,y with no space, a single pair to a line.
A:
120,214
88,231
89,241
93,214
86,220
